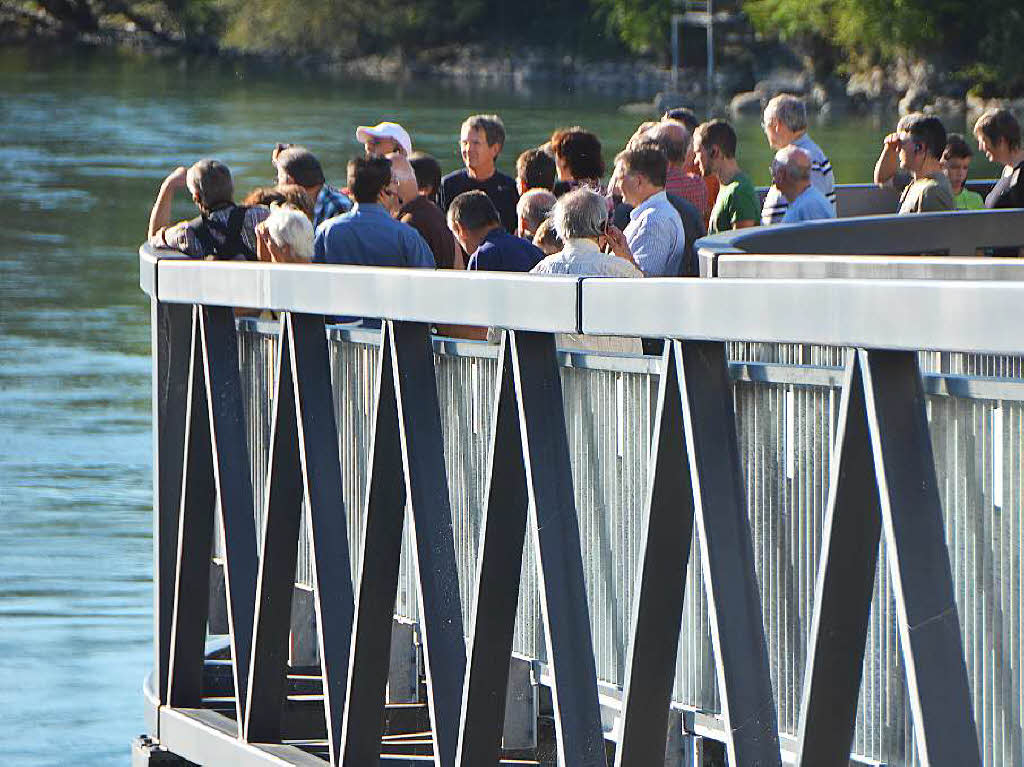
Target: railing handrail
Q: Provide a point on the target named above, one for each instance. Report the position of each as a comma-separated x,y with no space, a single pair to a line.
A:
888,314
957,233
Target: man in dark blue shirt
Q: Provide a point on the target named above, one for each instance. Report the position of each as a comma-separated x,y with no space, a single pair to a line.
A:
480,142
476,224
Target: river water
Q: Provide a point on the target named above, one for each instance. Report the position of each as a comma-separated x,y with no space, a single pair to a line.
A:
88,136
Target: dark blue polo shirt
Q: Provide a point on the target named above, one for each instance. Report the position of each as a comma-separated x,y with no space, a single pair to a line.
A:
504,252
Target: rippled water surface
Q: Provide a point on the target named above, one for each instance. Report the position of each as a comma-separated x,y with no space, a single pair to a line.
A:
87,137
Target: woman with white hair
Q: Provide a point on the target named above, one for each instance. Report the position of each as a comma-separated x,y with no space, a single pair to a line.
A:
286,237
580,219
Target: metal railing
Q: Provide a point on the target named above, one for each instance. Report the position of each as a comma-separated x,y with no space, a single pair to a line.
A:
752,444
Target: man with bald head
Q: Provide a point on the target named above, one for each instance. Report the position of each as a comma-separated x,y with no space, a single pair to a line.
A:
791,175
674,139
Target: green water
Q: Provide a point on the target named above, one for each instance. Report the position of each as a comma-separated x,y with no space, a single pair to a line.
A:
87,138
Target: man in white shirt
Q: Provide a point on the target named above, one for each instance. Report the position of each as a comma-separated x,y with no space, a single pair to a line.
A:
655,233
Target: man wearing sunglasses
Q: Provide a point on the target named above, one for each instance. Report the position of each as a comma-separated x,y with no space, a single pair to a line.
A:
920,145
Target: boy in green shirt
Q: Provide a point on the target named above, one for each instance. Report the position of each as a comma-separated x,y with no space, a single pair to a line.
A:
714,147
956,161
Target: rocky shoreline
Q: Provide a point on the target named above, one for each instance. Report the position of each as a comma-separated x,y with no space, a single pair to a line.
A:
741,85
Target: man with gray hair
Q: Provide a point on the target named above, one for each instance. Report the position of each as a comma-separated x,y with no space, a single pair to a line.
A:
791,175
533,207
674,140
785,123
480,142
580,219
222,229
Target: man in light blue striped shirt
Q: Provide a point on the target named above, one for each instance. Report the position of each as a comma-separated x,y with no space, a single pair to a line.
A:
655,231
785,123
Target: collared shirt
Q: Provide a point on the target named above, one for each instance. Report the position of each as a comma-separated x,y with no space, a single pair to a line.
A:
688,186
809,205
822,179
499,187
656,237
584,258
329,203
368,236
504,252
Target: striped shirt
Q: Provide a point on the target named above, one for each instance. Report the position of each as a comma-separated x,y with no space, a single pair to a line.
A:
822,179
656,237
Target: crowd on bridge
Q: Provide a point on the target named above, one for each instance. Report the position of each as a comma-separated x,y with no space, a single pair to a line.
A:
675,180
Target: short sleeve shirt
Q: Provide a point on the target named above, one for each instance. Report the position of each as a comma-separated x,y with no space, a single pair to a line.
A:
499,187
930,194
737,201
182,237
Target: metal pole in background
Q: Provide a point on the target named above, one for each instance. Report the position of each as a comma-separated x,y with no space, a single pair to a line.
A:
711,48
676,20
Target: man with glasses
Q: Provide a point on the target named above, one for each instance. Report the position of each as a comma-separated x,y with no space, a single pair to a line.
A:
920,145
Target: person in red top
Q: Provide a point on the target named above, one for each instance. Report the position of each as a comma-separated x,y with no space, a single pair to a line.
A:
686,117
674,139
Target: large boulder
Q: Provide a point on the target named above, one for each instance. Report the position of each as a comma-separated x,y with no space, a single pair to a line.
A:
747,103
914,100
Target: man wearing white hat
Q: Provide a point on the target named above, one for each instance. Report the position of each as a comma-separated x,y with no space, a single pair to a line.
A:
383,139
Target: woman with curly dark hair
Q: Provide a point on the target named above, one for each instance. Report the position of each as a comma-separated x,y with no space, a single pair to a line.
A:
577,159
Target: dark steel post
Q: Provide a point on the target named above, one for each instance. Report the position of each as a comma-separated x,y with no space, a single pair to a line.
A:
500,561
195,539
378,578
269,661
939,692
234,487
734,602
328,533
171,329
843,592
442,629
661,582
556,536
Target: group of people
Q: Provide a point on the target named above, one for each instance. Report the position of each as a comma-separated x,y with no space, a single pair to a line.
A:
674,181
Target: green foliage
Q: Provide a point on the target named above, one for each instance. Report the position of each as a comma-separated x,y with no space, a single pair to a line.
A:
976,39
643,25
